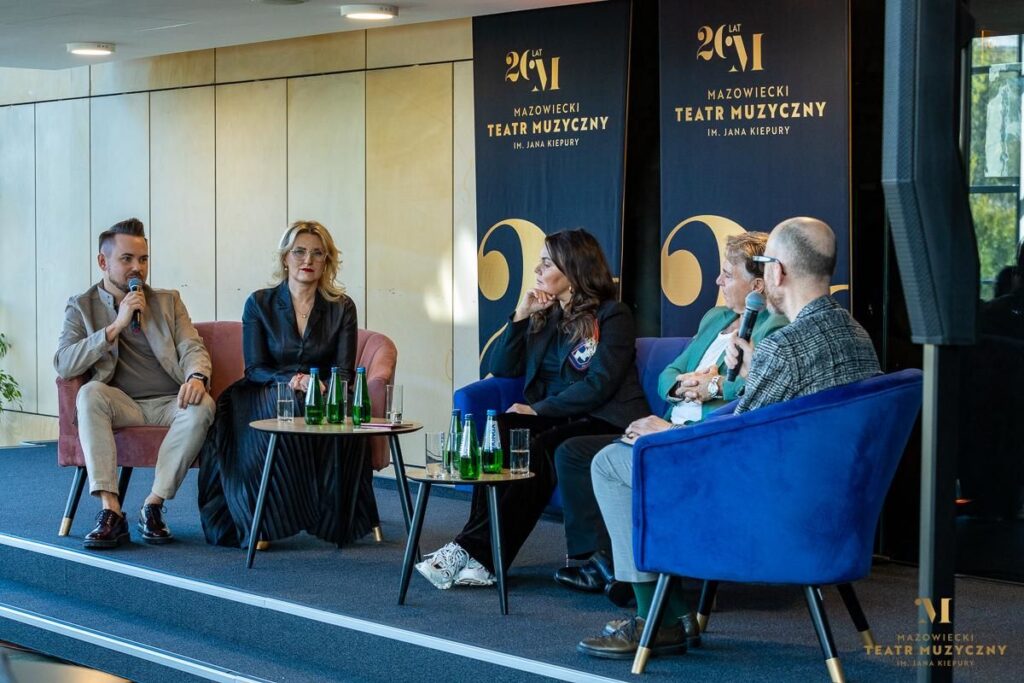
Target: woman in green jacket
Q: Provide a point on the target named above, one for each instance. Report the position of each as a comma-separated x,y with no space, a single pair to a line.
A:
694,383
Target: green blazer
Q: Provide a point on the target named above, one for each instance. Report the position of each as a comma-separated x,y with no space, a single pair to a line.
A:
713,322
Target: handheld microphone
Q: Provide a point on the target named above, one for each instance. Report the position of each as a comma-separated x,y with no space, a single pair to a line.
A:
135,285
754,304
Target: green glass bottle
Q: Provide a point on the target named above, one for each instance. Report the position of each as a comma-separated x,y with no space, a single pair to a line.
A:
314,399
361,399
469,452
336,398
491,457
451,446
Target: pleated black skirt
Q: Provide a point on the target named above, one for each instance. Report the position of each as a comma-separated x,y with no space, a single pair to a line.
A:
303,494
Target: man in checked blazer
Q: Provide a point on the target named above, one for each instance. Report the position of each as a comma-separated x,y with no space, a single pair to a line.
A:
822,347
147,366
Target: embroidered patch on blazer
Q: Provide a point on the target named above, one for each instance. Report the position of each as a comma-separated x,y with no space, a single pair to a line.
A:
583,353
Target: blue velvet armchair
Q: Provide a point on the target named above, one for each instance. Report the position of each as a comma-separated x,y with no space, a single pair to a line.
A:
498,393
787,494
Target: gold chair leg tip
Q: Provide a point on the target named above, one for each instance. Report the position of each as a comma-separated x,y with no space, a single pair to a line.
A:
640,661
835,670
702,622
867,637
378,534
65,527
262,545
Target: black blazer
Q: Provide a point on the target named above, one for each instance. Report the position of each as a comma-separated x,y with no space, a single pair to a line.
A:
607,389
273,349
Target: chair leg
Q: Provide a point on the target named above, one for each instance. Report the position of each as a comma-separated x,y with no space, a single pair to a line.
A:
643,652
123,477
828,646
856,613
378,534
77,484
706,604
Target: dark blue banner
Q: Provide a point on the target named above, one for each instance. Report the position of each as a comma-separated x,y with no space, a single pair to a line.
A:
550,117
754,130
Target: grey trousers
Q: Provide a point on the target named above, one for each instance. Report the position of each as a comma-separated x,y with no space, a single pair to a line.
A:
612,475
102,409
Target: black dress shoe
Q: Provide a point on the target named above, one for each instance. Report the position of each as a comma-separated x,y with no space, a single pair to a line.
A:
152,527
624,641
111,531
585,578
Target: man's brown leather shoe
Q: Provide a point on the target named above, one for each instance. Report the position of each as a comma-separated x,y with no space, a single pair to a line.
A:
688,621
111,531
152,527
623,643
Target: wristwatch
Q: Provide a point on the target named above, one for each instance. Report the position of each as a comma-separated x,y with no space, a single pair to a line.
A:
199,376
714,390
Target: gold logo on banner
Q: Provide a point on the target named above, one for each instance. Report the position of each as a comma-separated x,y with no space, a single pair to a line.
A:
929,609
522,64
493,269
716,42
681,274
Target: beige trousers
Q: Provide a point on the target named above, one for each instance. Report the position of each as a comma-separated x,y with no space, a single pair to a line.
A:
102,409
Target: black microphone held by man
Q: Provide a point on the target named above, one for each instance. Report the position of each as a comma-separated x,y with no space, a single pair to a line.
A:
135,285
754,304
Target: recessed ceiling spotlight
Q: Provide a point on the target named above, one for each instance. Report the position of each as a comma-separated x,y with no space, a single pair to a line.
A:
369,12
91,49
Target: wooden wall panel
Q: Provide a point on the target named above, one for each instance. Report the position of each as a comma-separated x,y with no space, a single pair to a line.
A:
327,167
39,85
437,41
182,231
17,235
293,57
466,364
409,232
252,209
65,256
153,73
119,159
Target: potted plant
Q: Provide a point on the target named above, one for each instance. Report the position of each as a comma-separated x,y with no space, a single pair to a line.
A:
9,390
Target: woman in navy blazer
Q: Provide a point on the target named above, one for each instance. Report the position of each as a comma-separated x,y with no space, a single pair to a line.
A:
575,345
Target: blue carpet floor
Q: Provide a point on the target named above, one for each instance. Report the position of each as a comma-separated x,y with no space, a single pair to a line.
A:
757,633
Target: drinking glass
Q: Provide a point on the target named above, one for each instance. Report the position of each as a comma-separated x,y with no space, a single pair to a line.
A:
435,454
393,398
519,451
285,403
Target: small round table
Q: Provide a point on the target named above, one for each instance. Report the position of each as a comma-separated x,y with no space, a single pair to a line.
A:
490,482
344,430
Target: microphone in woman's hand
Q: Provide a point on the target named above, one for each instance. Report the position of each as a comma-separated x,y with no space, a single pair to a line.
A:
754,305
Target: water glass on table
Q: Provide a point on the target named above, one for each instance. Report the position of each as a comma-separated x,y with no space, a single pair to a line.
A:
393,401
435,454
519,451
285,402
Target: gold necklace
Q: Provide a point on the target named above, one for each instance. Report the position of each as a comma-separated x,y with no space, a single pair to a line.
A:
308,311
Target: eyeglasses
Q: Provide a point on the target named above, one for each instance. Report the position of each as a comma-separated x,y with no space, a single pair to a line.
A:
300,253
768,259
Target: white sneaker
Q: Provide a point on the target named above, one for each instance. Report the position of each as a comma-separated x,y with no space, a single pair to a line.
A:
441,566
474,574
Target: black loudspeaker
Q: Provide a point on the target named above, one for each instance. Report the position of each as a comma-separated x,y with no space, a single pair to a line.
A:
923,173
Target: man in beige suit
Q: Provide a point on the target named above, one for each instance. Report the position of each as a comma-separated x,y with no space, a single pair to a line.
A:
145,369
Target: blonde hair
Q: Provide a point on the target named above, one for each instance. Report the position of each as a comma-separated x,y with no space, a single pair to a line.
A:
328,288
741,249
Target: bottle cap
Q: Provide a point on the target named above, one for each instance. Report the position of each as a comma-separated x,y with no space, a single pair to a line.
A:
314,371
361,370
469,416
492,413
457,411
335,368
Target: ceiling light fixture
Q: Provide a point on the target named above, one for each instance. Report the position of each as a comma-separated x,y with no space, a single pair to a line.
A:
369,12
91,49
